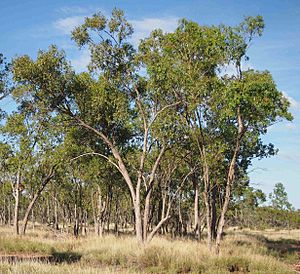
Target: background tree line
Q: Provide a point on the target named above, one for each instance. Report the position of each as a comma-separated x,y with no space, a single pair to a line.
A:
158,138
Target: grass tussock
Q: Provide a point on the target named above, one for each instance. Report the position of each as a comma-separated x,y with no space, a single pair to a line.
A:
241,253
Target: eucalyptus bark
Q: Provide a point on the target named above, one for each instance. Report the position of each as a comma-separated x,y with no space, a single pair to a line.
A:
17,201
197,224
135,192
230,180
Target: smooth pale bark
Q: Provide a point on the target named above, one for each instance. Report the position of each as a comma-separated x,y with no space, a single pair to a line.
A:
55,223
161,222
197,224
207,202
135,192
146,214
17,201
94,205
9,213
16,212
181,228
230,181
163,209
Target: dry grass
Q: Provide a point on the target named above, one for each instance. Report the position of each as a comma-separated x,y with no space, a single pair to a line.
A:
242,252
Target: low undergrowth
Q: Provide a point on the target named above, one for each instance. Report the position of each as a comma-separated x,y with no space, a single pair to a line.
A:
241,253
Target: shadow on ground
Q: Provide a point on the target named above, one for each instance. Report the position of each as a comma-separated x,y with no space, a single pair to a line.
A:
65,257
286,249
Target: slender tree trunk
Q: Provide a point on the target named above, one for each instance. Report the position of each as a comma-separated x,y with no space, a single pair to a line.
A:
16,215
206,197
159,225
164,198
28,210
96,223
213,208
17,201
76,224
222,217
117,217
230,180
48,212
35,197
181,228
33,219
9,213
197,227
120,165
56,225
138,219
146,215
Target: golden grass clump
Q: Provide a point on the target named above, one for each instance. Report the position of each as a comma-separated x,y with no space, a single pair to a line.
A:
242,252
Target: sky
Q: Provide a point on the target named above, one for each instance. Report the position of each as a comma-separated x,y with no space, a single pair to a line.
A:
27,26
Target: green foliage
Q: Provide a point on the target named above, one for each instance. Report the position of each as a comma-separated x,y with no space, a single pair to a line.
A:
5,83
163,118
279,198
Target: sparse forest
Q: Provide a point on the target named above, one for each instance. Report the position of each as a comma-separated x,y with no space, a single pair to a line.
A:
153,141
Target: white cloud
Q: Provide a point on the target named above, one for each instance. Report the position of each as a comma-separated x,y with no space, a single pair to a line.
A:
66,25
293,102
143,27
75,10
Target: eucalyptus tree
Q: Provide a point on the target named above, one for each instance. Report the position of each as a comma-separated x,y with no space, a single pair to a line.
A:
252,103
6,194
132,120
111,101
183,64
30,164
95,180
224,116
17,142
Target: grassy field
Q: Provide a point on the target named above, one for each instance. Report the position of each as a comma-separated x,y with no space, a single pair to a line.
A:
243,251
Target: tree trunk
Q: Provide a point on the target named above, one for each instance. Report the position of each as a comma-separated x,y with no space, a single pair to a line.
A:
146,214
9,213
35,197
206,197
28,210
17,201
76,224
222,217
230,180
197,227
96,224
213,208
138,219
56,225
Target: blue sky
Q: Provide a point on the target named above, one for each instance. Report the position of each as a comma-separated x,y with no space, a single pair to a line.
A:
26,26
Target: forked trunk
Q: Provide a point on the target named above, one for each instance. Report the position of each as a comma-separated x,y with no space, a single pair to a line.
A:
35,197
